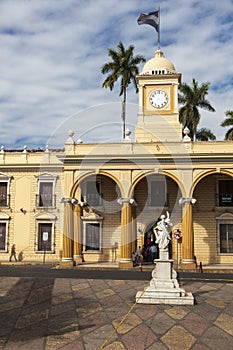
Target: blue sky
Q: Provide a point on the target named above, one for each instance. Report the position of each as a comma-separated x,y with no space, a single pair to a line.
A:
52,51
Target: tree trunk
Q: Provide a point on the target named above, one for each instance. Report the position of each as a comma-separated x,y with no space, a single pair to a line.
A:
123,112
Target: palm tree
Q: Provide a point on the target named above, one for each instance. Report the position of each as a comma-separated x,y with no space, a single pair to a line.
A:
193,97
124,66
228,122
205,134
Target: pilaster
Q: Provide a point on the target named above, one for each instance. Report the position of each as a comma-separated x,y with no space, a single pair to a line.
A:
126,232
77,235
68,226
188,261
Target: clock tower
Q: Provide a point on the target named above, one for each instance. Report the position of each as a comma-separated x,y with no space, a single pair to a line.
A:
158,114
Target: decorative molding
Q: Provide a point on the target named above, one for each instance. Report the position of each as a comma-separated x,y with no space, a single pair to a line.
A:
187,200
122,201
45,216
4,216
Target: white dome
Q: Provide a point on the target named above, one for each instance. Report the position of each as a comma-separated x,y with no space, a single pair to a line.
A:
158,65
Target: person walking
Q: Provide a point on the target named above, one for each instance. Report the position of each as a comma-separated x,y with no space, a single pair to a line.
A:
139,256
153,250
134,258
13,252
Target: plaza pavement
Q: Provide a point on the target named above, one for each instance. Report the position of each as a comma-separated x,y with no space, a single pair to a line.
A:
92,314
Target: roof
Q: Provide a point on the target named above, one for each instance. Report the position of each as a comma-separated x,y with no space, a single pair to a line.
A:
158,65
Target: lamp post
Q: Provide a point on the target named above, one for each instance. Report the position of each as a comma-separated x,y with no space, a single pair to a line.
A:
178,237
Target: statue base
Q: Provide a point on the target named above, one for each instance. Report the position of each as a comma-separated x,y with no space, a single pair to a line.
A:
164,287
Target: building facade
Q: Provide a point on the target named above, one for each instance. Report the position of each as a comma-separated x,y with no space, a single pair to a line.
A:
99,202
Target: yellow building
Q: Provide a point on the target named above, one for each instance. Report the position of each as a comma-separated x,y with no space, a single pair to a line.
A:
99,202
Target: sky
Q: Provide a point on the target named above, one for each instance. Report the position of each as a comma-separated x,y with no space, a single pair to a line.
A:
52,51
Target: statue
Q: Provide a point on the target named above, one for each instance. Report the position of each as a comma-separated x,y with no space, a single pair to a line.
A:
162,231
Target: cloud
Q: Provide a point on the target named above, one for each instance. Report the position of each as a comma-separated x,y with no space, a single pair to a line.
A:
52,51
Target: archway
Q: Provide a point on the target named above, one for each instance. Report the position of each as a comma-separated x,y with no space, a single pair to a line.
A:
149,242
214,199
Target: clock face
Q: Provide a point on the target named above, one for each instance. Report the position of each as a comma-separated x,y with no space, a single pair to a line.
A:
158,99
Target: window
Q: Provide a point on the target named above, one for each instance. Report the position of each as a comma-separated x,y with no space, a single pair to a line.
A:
93,193
4,189
157,193
92,236
46,194
92,233
225,193
3,194
3,236
45,237
226,238
46,191
45,232
225,233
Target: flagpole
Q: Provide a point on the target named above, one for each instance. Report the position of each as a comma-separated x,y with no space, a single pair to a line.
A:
159,31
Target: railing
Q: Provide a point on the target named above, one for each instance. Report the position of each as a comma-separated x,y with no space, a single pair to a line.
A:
45,200
4,200
224,199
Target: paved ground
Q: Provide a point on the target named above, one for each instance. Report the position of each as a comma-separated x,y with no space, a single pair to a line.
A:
92,314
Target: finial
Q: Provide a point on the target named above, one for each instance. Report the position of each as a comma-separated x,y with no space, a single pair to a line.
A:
127,135
70,133
186,131
70,140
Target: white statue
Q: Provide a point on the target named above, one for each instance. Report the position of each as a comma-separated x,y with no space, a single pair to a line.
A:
162,231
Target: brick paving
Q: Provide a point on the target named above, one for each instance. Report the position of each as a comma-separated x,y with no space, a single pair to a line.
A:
88,314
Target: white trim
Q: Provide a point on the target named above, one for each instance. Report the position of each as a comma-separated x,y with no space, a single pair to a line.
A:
46,216
46,178
86,221
224,219
52,236
6,179
4,216
6,237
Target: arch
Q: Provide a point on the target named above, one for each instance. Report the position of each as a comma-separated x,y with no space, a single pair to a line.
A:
78,180
207,173
152,172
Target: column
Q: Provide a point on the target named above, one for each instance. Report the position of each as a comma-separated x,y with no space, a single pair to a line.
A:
188,261
77,235
134,230
126,233
67,246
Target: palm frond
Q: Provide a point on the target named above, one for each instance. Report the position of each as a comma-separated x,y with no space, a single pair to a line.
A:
123,66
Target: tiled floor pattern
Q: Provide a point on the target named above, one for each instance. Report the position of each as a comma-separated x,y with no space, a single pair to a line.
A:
74,314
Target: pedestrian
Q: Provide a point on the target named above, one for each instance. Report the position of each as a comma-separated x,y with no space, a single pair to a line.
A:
153,250
13,252
139,256
144,252
134,258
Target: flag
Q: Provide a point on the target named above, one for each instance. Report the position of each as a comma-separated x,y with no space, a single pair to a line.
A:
152,19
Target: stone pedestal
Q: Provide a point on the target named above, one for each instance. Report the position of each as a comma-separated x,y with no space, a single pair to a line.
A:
164,287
